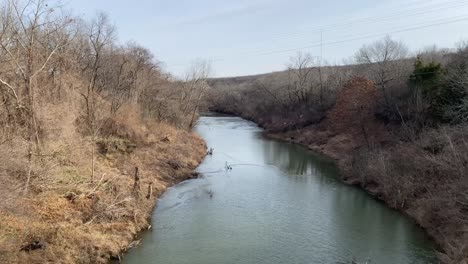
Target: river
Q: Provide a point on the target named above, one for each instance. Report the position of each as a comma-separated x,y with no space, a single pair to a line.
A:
280,203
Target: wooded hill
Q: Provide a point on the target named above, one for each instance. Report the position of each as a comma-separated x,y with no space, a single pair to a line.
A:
91,131
395,122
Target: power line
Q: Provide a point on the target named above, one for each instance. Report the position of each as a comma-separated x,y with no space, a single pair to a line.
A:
316,43
352,38
465,18
369,20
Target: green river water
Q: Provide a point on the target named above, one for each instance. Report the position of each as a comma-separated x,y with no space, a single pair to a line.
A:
280,203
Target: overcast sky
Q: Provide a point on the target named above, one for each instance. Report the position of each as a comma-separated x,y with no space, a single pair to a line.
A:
243,37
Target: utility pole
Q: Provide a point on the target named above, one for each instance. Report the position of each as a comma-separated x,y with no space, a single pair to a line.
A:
321,47
320,68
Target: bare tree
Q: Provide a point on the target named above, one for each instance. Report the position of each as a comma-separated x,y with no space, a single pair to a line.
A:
382,58
306,79
434,54
300,71
273,94
129,70
194,88
101,35
457,82
31,35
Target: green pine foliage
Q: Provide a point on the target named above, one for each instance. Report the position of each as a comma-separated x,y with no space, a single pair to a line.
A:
444,97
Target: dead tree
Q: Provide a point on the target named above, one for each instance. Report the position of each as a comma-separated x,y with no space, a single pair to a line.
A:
382,58
300,76
100,35
194,88
31,34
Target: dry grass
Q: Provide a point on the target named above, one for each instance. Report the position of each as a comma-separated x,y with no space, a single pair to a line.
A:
428,180
74,219
72,133
425,177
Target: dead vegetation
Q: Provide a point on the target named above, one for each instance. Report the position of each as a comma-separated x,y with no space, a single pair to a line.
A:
75,219
427,180
78,113
395,124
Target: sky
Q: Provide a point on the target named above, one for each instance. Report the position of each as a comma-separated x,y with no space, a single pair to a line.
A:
246,37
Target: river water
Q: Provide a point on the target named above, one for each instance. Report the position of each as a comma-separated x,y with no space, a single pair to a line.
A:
279,204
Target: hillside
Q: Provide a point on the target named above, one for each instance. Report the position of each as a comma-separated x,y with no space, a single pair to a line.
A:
397,128
92,132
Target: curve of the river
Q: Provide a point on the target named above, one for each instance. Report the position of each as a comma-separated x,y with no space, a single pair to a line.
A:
279,204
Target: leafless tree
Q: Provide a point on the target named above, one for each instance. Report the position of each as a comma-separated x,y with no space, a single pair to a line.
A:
382,60
101,35
129,70
307,79
194,88
31,35
457,81
300,71
273,94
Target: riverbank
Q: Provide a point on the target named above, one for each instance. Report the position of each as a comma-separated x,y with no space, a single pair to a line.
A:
68,218
420,172
391,173
419,178
280,203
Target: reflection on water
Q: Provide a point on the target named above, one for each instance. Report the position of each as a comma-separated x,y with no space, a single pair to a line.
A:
295,159
279,204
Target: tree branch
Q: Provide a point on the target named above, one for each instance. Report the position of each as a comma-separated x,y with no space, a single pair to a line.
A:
11,88
47,61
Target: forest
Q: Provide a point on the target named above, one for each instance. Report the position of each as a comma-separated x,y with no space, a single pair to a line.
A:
90,131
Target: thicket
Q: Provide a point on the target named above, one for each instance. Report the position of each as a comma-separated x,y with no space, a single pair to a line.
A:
78,112
295,98
397,123
52,62
423,90
424,171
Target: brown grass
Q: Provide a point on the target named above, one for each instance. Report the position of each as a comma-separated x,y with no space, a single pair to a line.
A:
425,178
74,219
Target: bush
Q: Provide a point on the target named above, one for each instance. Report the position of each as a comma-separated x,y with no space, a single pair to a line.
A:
428,179
444,91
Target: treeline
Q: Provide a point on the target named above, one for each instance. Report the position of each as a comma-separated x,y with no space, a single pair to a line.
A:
280,101
49,57
78,112
418,90
395,121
